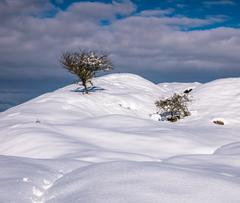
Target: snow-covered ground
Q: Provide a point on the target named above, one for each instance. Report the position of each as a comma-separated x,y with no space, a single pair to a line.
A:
105,148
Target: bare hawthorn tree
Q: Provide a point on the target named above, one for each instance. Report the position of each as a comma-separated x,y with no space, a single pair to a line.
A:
85,64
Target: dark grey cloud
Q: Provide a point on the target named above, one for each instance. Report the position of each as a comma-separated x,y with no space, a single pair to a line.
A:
15,9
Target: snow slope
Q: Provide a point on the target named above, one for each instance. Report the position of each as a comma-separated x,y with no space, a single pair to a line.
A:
104,147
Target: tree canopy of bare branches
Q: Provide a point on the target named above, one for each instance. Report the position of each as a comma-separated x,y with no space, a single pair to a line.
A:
85,64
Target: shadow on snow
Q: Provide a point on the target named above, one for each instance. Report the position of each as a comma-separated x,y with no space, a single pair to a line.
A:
90,89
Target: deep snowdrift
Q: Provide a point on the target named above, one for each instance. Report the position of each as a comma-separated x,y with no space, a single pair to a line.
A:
104,147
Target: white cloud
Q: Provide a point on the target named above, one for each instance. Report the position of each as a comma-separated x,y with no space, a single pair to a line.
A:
157,12
30,46
95,11
219,2
181,5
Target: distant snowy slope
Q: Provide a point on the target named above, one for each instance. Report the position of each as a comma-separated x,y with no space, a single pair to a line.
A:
219,99
104,147
176,87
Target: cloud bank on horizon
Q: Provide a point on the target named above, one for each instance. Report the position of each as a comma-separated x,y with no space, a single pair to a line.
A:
141,36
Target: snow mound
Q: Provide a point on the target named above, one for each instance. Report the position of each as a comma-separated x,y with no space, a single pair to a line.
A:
176,87
219,100
141,182
229,149
105,146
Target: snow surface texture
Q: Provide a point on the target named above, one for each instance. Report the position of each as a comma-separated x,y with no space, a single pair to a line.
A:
105,148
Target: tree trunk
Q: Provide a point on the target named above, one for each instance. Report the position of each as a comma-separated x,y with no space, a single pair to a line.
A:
85,87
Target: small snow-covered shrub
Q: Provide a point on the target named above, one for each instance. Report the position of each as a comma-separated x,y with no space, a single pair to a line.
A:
173,108
85,64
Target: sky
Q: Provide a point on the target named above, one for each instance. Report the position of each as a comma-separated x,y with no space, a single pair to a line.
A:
161,40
